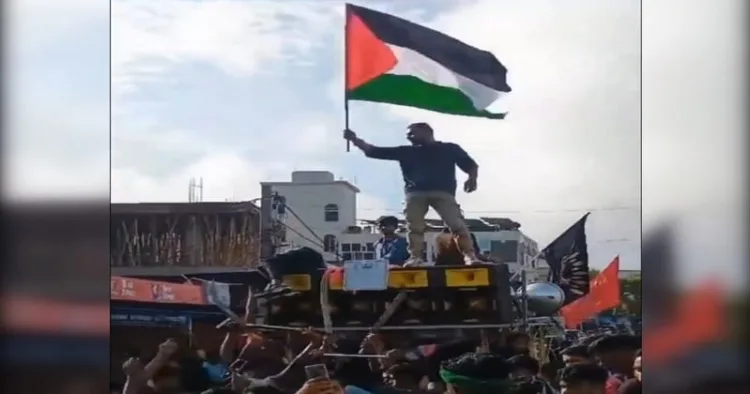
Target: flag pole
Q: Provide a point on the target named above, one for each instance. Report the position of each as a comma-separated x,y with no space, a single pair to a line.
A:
346,73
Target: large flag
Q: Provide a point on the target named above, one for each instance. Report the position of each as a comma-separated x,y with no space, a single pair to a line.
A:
698,319
568,260
391,60
604,295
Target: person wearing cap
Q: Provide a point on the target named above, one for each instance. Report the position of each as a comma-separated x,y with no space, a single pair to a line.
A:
391,246
428,167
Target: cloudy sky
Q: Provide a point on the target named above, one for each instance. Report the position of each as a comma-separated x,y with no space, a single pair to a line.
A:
238,92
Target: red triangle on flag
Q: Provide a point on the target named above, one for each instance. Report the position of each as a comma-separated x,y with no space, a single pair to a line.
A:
367,57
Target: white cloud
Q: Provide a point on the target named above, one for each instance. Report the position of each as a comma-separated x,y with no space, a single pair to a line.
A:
240,38
56,130
227,177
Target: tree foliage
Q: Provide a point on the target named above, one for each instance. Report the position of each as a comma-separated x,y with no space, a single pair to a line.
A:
631,294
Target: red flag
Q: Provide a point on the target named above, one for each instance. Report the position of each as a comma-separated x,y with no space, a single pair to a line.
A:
604,294
698,319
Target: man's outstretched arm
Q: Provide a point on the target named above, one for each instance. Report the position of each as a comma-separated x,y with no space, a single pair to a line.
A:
374,152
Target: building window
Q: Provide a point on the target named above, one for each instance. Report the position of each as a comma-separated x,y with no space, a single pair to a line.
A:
329,243
331,213
505,251
346,247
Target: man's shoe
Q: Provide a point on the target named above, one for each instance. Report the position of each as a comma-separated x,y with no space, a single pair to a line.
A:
276,290
473,260
414,262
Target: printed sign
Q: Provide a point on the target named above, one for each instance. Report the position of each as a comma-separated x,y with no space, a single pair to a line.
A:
142,290
366,275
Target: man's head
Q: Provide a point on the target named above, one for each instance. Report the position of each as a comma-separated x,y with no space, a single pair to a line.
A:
523,365
476,373
615,352
637,369
575,354
403,376
419,133
518,342
586,378
388,225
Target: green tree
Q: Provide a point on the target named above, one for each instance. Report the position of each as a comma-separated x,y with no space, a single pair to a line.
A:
631,295
630,288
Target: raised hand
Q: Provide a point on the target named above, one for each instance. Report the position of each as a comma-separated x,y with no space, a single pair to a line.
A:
470,185
168,347
132,366
349,135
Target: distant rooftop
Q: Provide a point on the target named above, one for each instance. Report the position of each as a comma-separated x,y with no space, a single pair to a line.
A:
313,178
479,224
182,208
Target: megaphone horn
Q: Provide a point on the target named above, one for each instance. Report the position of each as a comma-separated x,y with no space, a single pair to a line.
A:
543,298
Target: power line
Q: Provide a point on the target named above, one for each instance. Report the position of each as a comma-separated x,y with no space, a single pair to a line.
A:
523,211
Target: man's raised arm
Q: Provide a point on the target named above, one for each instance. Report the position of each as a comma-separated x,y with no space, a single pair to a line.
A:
375,152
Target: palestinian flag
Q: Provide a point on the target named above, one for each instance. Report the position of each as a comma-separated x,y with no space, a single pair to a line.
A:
391,60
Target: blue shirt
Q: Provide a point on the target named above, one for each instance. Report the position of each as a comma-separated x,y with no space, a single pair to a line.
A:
427,168
394,249
216,372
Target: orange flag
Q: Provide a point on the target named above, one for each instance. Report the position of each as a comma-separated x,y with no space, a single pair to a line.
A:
698,319
604,294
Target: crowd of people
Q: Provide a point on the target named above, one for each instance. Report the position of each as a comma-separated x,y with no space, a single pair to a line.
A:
272,363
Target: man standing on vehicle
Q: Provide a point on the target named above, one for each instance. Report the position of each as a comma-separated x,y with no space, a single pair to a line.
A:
429,170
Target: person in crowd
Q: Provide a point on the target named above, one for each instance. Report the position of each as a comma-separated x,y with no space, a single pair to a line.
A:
634,385
161,375
428,167
449,251
216,369
405,376
583,378
631,386
531,385
523,365
195,378
477,373
518,342
575,354
391,246
616,353
298,261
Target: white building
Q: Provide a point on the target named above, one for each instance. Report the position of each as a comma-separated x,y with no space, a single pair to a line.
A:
319,208
321,215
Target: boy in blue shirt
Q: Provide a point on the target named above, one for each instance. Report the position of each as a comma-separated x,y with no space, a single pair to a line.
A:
391,246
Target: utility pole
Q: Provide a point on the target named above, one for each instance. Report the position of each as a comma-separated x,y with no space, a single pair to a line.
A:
267,246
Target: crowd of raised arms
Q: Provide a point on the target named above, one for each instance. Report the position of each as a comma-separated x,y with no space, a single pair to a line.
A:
267,363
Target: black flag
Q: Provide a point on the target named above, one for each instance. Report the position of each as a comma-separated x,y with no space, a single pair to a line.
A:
568,260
